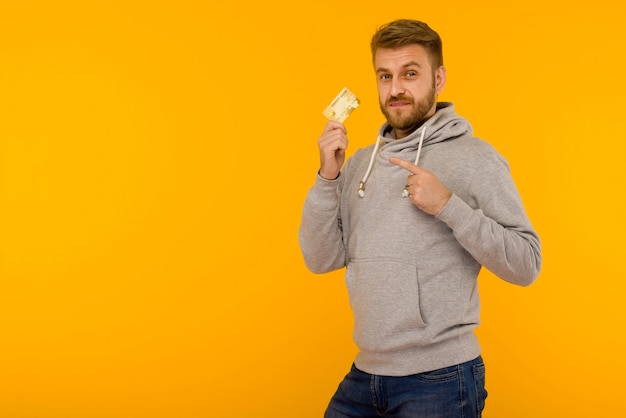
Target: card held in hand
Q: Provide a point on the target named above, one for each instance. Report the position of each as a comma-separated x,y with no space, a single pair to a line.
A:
341,107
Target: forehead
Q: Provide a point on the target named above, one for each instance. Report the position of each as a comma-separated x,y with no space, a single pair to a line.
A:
394,58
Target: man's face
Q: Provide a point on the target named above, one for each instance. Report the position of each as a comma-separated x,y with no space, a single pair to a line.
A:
407,86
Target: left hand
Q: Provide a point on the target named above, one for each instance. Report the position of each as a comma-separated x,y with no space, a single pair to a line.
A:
425,190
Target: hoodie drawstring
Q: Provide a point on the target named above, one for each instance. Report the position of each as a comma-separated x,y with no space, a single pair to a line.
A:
405,192
361,190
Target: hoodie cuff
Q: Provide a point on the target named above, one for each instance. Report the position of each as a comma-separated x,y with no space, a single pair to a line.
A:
455,213
324,194
323,178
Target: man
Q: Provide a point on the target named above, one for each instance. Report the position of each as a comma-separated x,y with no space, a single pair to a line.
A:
413,218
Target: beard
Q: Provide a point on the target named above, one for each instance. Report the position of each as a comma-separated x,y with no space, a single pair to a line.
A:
413,120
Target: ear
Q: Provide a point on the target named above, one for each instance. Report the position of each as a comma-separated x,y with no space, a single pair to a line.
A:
440,79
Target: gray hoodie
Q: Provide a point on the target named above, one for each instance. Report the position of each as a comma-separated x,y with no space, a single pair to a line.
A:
412,277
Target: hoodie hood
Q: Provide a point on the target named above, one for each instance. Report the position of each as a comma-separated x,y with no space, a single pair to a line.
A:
444,125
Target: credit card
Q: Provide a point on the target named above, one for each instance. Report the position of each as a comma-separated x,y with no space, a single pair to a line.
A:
341,107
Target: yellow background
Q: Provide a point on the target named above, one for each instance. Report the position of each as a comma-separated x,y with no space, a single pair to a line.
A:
154,157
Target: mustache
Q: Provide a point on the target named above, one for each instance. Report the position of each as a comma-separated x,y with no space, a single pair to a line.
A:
397,99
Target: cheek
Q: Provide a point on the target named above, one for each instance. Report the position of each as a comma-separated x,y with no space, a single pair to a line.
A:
383,91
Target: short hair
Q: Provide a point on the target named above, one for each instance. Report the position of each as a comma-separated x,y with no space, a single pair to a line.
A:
404,32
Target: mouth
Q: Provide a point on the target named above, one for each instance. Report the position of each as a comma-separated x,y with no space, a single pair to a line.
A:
398,104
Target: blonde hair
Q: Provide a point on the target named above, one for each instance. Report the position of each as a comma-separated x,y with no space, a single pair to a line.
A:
407,32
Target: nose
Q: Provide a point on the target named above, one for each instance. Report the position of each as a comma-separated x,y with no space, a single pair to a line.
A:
397,88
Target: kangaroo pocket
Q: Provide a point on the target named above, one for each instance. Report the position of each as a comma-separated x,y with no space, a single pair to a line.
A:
384,296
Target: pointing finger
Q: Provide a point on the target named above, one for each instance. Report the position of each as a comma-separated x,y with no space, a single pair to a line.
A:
404,164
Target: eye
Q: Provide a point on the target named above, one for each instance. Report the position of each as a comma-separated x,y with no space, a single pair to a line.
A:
385,77
411,74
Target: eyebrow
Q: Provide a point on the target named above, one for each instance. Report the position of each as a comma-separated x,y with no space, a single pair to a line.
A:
408,64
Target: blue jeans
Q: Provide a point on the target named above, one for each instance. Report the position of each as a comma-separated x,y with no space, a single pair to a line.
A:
452,392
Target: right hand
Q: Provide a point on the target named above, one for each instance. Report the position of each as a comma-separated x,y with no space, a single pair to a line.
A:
333,144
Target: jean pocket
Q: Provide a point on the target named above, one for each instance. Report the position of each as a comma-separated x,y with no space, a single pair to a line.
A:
445,374
479,383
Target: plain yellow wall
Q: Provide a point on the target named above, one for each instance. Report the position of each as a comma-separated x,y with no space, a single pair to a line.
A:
154,157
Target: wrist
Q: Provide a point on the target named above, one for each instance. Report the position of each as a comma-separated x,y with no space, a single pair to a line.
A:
325,176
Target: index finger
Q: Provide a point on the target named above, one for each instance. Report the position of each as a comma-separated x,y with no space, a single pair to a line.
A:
404,164
332,125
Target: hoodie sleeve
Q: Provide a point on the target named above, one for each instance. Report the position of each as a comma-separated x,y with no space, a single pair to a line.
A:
321,235
495,229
